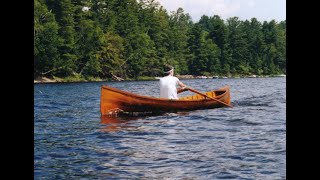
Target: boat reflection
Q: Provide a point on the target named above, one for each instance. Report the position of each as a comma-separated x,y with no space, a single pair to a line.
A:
123,121
116,123
127,121
115,119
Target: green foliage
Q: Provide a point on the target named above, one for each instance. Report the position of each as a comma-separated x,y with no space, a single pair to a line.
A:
74,78
205,52
89,42
142,54
180,24
66,65
88,39
92,67
144,78
46,39
111,55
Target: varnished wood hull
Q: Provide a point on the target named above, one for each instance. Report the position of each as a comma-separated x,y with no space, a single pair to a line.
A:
113,101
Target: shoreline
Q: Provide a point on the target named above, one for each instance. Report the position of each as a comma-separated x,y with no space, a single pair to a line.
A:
46,80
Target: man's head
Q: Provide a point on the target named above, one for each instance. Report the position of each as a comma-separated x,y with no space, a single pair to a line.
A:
169,70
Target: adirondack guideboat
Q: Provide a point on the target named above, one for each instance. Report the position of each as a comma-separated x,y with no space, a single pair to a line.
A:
114,101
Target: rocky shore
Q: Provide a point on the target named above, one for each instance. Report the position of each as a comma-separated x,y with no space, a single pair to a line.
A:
59,80
44,80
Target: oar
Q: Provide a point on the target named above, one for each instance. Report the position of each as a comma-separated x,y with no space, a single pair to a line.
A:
195,91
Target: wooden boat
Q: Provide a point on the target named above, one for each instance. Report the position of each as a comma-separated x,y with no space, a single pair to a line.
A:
114,101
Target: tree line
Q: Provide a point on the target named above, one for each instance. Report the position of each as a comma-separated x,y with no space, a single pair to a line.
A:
132,39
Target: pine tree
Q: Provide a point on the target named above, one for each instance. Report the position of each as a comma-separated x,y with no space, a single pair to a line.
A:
46,40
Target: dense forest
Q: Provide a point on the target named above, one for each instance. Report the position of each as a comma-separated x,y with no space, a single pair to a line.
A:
132,39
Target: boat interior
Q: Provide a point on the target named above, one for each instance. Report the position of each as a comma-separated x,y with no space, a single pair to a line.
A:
212,94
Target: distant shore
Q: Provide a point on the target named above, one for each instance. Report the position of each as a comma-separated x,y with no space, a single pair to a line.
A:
42,79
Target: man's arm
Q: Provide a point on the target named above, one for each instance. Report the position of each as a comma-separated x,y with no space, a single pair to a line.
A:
181,85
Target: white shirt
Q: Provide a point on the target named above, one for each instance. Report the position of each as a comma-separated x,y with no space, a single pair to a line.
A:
168,87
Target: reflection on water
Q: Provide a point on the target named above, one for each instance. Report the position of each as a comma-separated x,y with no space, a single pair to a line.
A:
125,121
116,123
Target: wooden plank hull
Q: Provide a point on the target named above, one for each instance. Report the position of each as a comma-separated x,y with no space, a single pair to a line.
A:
113,101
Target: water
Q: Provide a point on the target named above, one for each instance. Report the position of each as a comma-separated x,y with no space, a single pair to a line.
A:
72,141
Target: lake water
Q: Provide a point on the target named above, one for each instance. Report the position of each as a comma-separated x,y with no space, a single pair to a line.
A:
72,141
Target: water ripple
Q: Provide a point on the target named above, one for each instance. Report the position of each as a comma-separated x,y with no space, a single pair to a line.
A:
72,141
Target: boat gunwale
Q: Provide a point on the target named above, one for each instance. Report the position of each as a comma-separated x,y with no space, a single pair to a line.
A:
225,89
